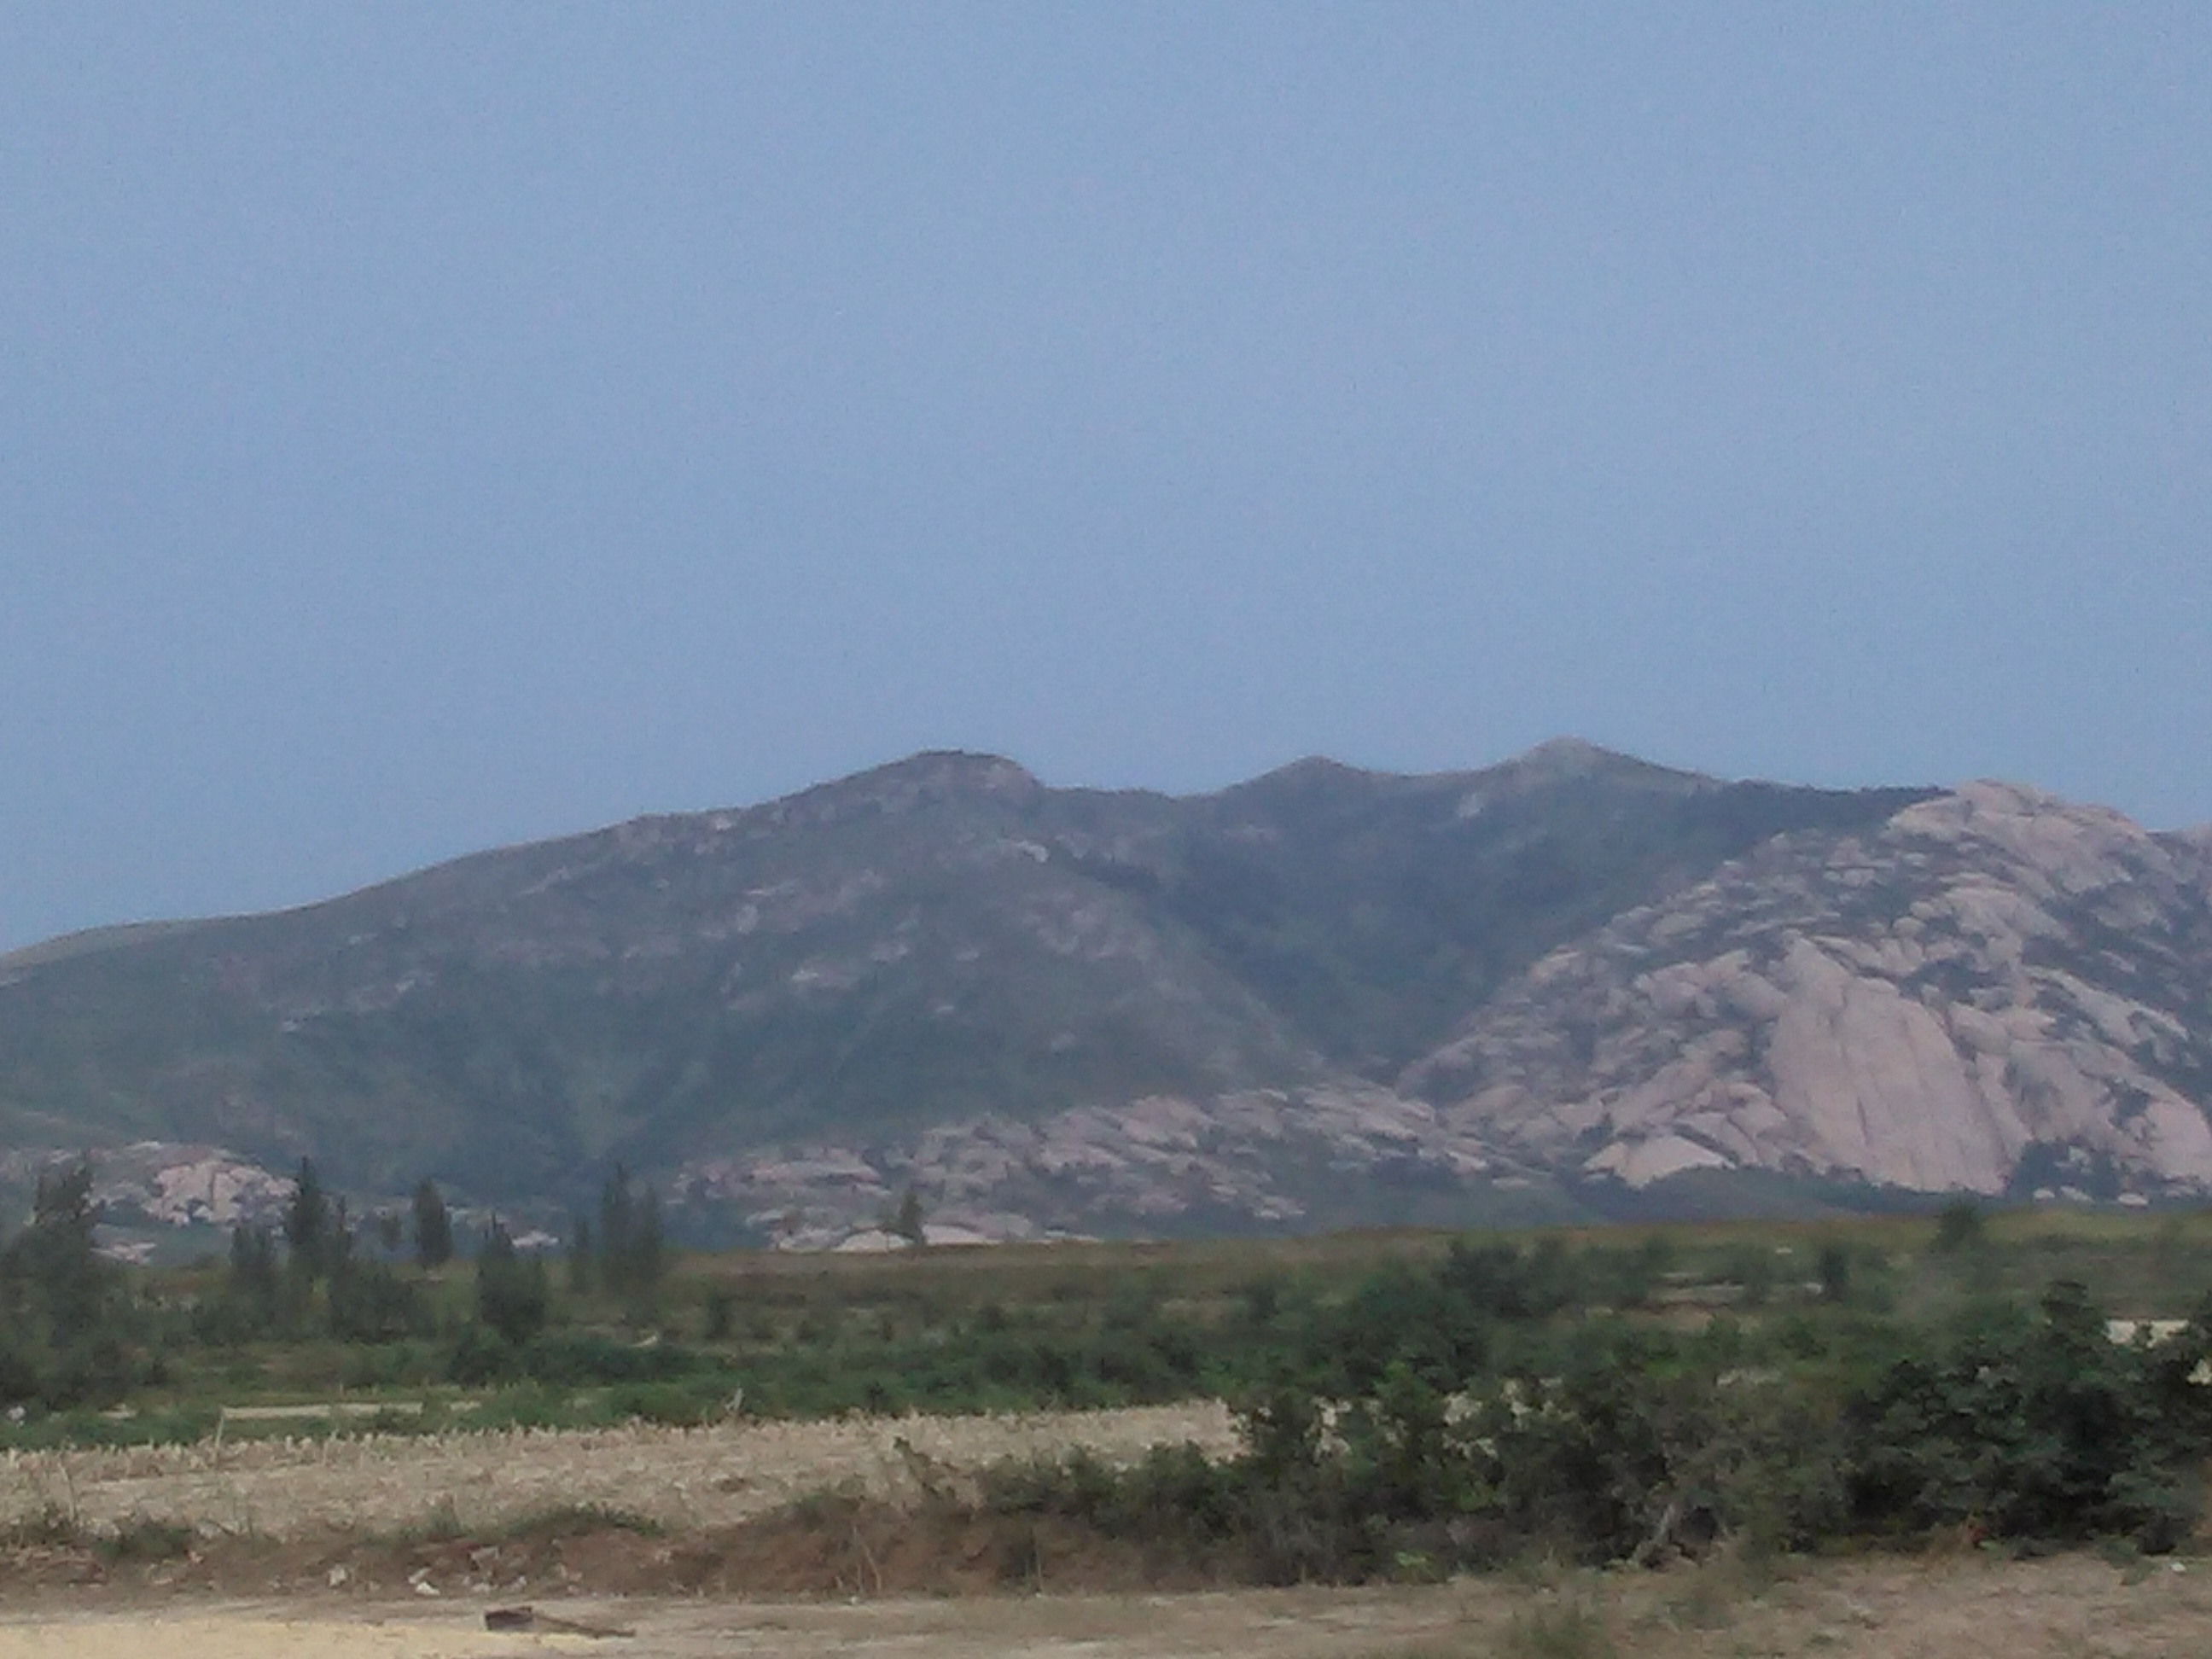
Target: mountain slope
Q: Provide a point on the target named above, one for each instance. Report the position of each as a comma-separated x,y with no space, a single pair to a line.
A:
1375,910
872,955
939,942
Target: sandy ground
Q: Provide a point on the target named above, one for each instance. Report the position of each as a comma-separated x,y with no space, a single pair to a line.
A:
682,1479
1962,1608
256,1632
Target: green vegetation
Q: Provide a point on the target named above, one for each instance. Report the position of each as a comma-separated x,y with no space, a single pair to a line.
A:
57,1303
513,1296
1618,1439
434,1228
1412,1403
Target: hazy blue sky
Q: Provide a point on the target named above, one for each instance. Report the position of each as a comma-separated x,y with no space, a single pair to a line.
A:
425,427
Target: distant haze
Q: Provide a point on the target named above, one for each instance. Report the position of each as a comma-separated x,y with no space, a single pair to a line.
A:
425,428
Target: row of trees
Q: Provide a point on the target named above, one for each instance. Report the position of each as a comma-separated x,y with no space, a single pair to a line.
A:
311,1271
624,1257
72,1334
626,1254
320,1236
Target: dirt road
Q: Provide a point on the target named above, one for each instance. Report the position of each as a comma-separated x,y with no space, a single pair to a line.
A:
1960,1608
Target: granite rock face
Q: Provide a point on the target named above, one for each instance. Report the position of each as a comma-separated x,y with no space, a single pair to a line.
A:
156,1183
1994,990
1254,1159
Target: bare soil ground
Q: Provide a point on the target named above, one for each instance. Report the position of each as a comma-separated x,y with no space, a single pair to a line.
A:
1960,1608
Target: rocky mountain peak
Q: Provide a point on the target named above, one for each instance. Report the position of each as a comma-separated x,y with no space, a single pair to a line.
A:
2068,846
1571,760
933,778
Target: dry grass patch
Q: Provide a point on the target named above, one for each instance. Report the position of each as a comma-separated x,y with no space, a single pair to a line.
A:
675,1477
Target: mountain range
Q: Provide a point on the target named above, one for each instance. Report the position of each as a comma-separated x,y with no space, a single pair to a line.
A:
1573,983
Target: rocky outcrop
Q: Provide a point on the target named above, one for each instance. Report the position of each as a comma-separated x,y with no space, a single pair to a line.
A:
1994,988
161,1184
1147,1165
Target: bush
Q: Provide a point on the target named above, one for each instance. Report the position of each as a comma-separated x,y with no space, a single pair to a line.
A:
482,1357
1958,1227
144,1539
513,1297
1569,1629
582,1359
1642,1442
369,1303
2035,1428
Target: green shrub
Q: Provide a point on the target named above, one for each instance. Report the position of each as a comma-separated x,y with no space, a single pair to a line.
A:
145,1540
1958,1227
1573,1628
369,1303
2035,1428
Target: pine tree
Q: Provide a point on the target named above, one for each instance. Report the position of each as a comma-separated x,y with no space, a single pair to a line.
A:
64,1270
434,1228
631,1250
511,1297
308,1230
615,1222
56,1298
255,1289
909,1222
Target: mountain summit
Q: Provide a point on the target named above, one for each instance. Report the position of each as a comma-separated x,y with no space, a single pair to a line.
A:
1324,995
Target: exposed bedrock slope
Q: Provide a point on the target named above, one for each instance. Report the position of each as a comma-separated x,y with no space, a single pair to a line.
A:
1994,988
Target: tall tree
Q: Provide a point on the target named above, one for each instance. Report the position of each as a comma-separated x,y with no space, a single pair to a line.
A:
434,1228
909,1221
58,1260
56,1297
511,1296
308,1229
616,1212
630,1245
255,1293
